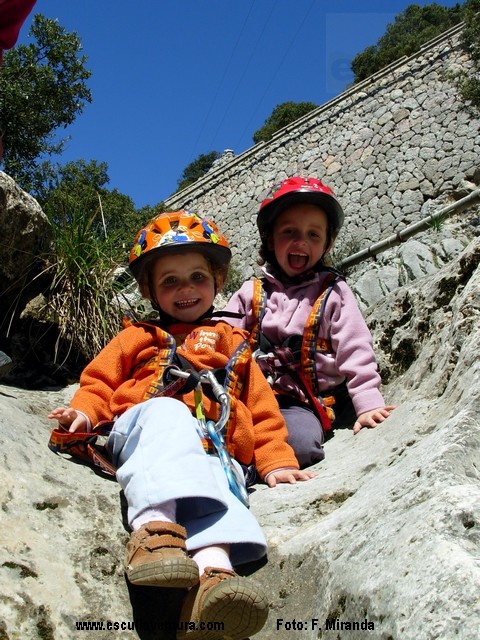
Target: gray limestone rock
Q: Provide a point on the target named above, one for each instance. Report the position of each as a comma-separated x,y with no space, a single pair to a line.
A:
387,534
26,233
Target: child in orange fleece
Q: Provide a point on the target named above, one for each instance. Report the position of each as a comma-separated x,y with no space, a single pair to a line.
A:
186,521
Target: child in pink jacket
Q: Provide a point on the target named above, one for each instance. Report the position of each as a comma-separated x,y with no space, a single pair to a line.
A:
321,364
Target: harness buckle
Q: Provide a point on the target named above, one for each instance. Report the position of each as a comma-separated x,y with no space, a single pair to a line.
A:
213,430
266,362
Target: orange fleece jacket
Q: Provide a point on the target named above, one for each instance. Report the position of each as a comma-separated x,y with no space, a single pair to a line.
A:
119,376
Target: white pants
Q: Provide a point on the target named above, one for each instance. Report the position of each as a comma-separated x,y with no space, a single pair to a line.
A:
159,457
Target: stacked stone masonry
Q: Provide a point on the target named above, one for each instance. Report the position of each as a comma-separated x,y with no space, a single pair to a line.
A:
394,147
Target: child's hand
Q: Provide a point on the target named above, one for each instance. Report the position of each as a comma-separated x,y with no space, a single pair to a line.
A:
372,418
69,419
288,475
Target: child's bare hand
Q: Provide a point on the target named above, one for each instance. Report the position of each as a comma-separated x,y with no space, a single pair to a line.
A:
69,419
288,475
372,418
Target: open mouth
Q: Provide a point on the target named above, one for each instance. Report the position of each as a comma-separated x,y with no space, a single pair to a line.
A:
187,304
297,261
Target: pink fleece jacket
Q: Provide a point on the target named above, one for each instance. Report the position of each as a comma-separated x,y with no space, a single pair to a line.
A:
352,357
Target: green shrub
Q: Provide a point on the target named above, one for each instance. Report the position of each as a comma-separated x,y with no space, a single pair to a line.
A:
83,286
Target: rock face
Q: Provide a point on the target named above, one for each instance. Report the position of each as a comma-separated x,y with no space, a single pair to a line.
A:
386,535
422,255
389,530
25,233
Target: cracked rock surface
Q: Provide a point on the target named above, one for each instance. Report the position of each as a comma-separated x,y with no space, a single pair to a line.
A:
387,533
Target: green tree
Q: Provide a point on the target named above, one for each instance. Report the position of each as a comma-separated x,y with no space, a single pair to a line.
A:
73,177
113,214
197,169
148,212
42,89
281,116
410,30
93,229
469,82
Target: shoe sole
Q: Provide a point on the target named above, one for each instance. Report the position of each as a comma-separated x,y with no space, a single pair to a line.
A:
176,574
234,608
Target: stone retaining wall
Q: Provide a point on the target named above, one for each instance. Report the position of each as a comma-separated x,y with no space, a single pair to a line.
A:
393,148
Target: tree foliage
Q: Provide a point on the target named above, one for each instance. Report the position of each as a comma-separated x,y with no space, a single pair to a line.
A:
113,214
197,169
469,82
410,30
281,116
83,286
42,89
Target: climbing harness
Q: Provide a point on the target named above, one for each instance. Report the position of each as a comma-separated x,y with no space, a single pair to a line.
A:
175,376
214,430
84,445
297,355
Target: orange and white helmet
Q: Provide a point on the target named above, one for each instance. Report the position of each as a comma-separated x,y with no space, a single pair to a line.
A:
298,190
174,232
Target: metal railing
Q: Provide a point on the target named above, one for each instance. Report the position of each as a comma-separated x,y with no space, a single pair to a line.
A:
407,232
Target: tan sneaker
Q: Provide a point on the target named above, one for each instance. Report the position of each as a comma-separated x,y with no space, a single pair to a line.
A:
156,556
228,606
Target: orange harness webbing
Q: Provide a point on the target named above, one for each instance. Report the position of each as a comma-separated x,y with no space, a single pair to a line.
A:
301,366
83,445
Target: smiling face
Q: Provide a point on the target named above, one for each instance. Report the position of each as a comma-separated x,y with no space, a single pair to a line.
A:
300,238
183,285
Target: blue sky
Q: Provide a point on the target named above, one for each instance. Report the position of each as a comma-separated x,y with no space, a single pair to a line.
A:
172,79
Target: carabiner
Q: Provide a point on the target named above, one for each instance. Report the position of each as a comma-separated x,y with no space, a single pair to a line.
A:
236,480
